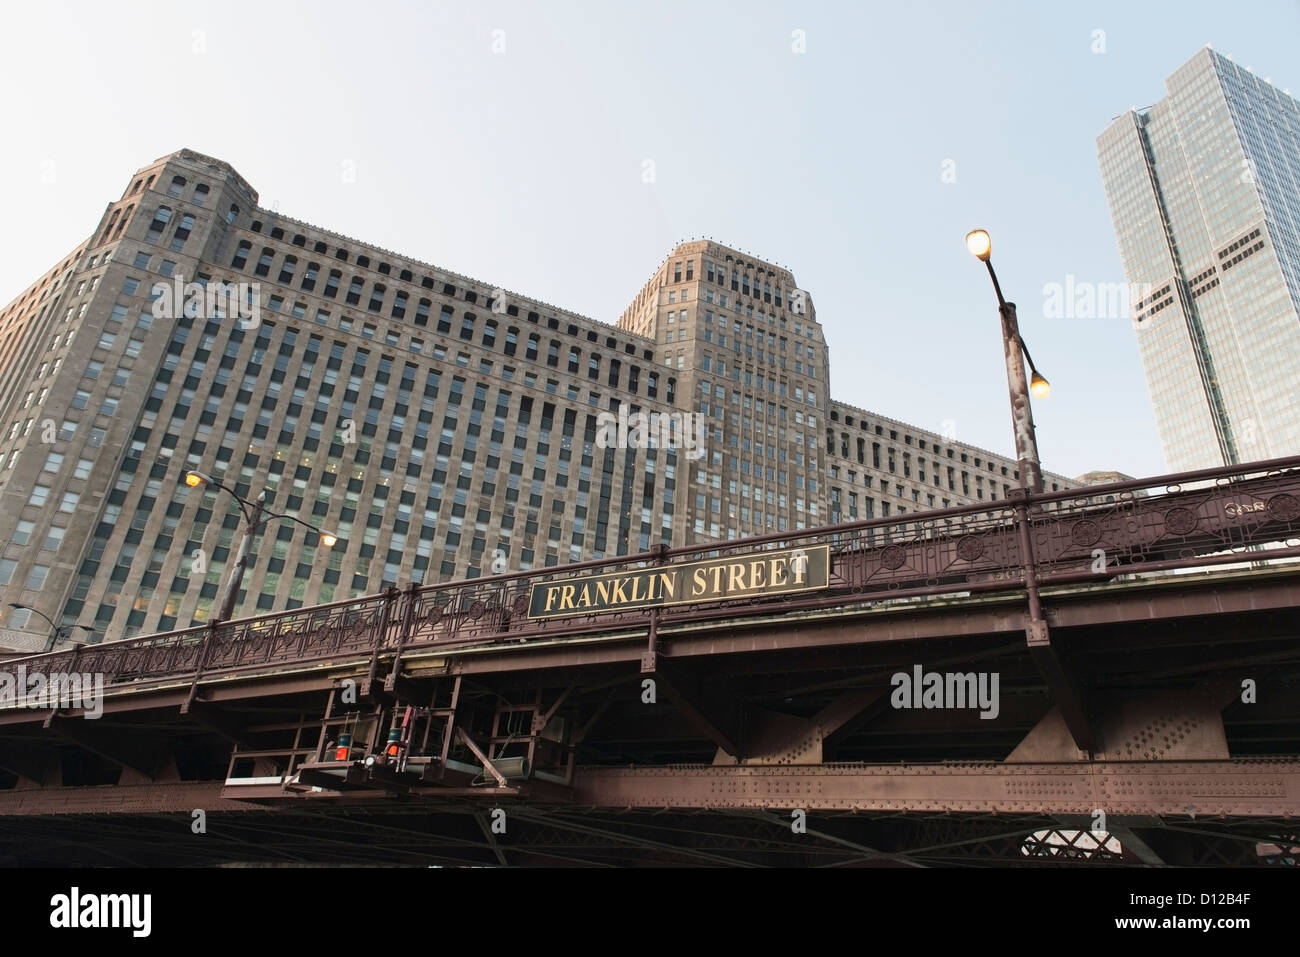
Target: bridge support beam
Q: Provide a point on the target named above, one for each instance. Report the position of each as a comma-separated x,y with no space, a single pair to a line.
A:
1174,791
135,756
30,763
1161,726
1049,740
1061,685
711,712
775,738
1186,789
211,719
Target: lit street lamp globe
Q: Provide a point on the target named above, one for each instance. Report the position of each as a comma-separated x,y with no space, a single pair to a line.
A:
979,244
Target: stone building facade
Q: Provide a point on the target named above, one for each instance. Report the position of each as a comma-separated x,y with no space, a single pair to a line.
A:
438,425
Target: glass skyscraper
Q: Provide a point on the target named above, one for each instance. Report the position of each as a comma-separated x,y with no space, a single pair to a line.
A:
1204,191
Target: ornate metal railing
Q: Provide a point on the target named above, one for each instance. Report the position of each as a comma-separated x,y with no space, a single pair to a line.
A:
1227,515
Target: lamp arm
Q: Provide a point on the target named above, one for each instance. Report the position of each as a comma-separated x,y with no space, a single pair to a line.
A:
293,518
1002,302
1025,349
244,504
46,617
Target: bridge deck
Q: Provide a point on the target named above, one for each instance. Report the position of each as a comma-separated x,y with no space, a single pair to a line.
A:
1144,651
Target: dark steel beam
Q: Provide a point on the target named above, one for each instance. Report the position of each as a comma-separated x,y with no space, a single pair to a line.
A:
710,712
848,714
1131,842
1173,789
490,838
171,797
488,766
213,719
1063,686
1178,788
863,852
140,757
622,838
29,762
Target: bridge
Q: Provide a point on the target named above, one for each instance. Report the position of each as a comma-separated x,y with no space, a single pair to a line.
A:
1100,676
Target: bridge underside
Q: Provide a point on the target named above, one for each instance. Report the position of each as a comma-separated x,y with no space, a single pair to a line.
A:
461,833
773,742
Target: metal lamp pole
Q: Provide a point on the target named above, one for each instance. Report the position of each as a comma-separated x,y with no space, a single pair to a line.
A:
255,516
1022,415
1065,689
251,524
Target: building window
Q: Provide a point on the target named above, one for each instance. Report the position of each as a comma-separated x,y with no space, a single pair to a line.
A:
182,233
160,221
36,577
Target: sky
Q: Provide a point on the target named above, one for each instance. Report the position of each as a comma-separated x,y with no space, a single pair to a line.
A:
560,150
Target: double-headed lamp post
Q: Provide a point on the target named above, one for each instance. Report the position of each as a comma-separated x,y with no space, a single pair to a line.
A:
57,632
1022,415
255,516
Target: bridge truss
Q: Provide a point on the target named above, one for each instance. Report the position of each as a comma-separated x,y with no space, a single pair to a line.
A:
1143,635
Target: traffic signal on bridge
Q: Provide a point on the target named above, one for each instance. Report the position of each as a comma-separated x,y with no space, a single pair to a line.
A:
345,746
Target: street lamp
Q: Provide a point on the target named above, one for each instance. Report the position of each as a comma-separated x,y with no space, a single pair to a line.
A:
57,632
1022,417
255,516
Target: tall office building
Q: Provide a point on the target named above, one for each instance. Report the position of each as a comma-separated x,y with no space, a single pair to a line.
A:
435,423
1204,191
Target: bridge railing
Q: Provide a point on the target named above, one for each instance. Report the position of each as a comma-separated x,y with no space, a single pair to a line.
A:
1212,517
1090,534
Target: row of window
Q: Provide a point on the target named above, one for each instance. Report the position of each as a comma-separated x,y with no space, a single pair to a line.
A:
377,295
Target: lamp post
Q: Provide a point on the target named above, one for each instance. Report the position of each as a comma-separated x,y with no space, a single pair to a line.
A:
57,632
1022,415
1064,687
255,516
